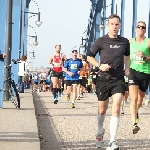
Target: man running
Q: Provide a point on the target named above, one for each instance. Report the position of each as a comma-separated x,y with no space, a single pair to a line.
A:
124,101
72,67
83,76
94,74
110,81
57,61
139,71
43,77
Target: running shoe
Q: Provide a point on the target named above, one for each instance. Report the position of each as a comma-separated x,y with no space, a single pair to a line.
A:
113,146
72,105
135,128
99,139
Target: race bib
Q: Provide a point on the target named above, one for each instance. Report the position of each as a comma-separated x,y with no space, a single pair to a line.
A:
94,76
35,77
80,77
57,64
137,59
73,66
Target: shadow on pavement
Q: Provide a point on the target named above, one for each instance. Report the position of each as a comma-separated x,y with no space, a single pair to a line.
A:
49,137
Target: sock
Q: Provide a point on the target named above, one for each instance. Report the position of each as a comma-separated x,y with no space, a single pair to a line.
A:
100,120
59,90
72,101
54,92
114,123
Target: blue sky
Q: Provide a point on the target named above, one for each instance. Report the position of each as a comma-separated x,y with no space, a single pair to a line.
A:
64,22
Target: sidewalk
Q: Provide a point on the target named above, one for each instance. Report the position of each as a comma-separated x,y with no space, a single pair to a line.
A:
77,127
18,128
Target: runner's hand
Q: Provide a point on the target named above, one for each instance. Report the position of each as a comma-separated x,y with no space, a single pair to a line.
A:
126,71
70,73
104,67
139,53
78,72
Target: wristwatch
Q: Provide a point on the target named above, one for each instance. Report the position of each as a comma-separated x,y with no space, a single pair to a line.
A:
144,57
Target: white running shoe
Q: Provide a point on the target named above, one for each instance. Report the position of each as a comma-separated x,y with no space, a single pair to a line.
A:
99,139
113,146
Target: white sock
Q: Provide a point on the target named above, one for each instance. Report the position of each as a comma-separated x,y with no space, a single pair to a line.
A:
114,123
100,120
73,101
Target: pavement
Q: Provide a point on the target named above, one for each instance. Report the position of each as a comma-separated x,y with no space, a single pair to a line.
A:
76,128
18,127
41,125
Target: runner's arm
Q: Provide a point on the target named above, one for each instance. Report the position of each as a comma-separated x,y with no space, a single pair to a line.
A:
148,57
96,47
127,55
51,59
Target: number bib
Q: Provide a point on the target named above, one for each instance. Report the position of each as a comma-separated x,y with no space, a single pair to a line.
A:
94,76
137,59
57,65
80,77
73,66
35,77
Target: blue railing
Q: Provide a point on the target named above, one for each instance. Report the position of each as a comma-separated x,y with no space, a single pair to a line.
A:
90,23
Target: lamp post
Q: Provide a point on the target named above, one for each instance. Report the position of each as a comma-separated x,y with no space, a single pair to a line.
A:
101,26
35,43
33,56
38,22
82,46
8,47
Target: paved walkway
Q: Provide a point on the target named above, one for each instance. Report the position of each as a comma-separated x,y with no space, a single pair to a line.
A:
77,127
18,128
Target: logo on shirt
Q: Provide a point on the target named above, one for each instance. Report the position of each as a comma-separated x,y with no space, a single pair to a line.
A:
114,46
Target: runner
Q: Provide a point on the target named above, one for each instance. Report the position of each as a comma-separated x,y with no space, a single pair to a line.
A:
43,77
110,81
94,74
35,81
57,61
139,71
124,101
72,67
83,77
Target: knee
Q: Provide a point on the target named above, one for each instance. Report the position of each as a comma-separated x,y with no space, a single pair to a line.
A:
102,111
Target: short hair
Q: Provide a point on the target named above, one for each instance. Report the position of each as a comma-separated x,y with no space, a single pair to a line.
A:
113,16
58,45
142,22
23,58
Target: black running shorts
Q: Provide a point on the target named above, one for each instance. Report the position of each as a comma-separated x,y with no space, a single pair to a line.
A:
59,75
105,88
70,82
139,78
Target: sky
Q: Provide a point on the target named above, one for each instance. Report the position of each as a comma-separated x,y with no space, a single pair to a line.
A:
65,21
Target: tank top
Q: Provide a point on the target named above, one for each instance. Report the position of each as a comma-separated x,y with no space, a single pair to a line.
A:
137,63
57,67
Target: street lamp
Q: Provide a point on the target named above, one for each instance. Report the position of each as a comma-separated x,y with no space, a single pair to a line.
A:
101,26
38,22
74,47
33,56
82,46
35,43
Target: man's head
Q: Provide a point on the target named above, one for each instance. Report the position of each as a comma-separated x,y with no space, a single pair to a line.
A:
74,54
113,24
140,28
58,48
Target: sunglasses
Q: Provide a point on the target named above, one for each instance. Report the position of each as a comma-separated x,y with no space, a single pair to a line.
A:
74,51
143,27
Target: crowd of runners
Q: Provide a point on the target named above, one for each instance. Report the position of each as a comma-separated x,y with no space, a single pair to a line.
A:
123,70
